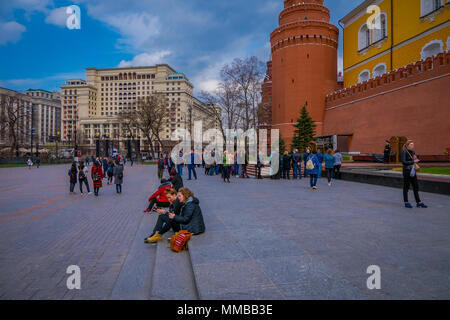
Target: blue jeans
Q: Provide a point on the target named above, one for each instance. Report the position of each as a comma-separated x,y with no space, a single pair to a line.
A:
313,180
191,168
217,169
211,170
297,170
236,169
319,175
118,188
180,169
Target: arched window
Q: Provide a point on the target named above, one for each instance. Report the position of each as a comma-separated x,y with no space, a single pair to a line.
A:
364,76
379,70
431,49
428,6
363,37
380,33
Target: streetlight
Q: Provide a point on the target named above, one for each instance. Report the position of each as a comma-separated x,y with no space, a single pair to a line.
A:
97,144
106,136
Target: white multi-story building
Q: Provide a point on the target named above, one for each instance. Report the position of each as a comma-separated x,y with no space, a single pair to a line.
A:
91,108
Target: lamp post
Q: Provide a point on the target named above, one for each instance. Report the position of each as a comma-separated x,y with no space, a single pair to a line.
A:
106,136
97,144
129,144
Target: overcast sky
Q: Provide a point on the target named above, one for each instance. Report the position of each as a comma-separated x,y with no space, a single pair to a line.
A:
195,37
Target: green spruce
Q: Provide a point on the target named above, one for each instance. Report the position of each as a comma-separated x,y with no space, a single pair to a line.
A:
304,131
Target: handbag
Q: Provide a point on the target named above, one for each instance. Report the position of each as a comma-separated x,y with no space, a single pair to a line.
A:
416,166
179,241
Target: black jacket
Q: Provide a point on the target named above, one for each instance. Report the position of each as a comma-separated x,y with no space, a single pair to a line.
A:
176,207
287,161
191,217
177,182
407,159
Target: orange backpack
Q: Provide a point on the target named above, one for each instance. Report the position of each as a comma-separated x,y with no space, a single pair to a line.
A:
179,241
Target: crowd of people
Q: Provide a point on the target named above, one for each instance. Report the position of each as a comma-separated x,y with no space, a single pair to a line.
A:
111,168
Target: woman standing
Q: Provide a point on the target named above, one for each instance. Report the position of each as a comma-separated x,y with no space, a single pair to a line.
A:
410,167
118,176
83,177
329,165
73,172
312,168
226,167
97,176
110,171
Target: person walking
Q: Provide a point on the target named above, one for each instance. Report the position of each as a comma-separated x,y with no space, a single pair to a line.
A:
305,159
168,163
38,162
180,165
110,171
83,177
105,166
73,173
312,168
161,165
337,164
329,165
191,166
287,164
29,163
259,166
319,156
297,164
410,168
97,177
226,167
118,176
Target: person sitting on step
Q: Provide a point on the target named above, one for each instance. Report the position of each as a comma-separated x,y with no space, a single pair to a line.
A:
159,198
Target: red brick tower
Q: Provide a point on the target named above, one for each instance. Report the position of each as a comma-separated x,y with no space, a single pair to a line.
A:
304,64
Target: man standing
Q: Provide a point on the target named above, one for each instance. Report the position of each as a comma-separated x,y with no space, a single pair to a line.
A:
180,166
191,166
297,164
387,152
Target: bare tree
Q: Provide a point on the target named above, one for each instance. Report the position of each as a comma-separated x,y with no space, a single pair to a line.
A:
15,120
149,117
245,77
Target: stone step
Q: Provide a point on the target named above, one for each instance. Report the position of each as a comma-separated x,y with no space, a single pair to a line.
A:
134,281
173,277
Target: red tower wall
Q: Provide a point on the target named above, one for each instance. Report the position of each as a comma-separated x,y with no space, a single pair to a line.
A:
412,102
304,64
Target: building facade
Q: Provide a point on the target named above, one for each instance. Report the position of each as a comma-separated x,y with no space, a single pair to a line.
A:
92,108
400,33
47,114
304,64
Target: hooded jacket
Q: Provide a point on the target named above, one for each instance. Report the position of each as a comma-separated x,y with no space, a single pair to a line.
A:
191,217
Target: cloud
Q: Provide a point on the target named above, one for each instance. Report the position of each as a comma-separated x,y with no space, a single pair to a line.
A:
11,32
57,17
146,59
41,82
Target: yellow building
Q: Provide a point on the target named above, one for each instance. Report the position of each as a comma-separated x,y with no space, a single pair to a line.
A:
384,35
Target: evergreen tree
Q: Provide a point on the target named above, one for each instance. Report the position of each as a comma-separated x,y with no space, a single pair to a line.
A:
304,131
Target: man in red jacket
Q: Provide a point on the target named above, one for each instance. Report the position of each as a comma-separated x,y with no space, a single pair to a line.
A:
159,197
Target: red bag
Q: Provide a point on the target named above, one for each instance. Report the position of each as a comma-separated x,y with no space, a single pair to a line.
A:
179,241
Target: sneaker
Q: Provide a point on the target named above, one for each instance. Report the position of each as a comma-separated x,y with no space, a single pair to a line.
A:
422,205
408,205
147,211
314,188
329,184
89,192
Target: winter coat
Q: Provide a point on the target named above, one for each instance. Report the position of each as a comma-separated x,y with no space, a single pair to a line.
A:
74,175
97,169
177,182
319,157
316,163
160,194
296,157
287,162
118,170
329,161
338,159
83,173
191,217
407,158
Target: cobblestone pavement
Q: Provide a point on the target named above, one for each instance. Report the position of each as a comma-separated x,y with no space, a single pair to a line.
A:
265,239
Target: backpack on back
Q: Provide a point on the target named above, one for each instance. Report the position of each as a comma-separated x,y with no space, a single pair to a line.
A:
179,241
309,165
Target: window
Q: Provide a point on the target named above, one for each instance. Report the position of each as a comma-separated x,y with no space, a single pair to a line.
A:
429,6
431,49
363,37
364,76
380,33
379,70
